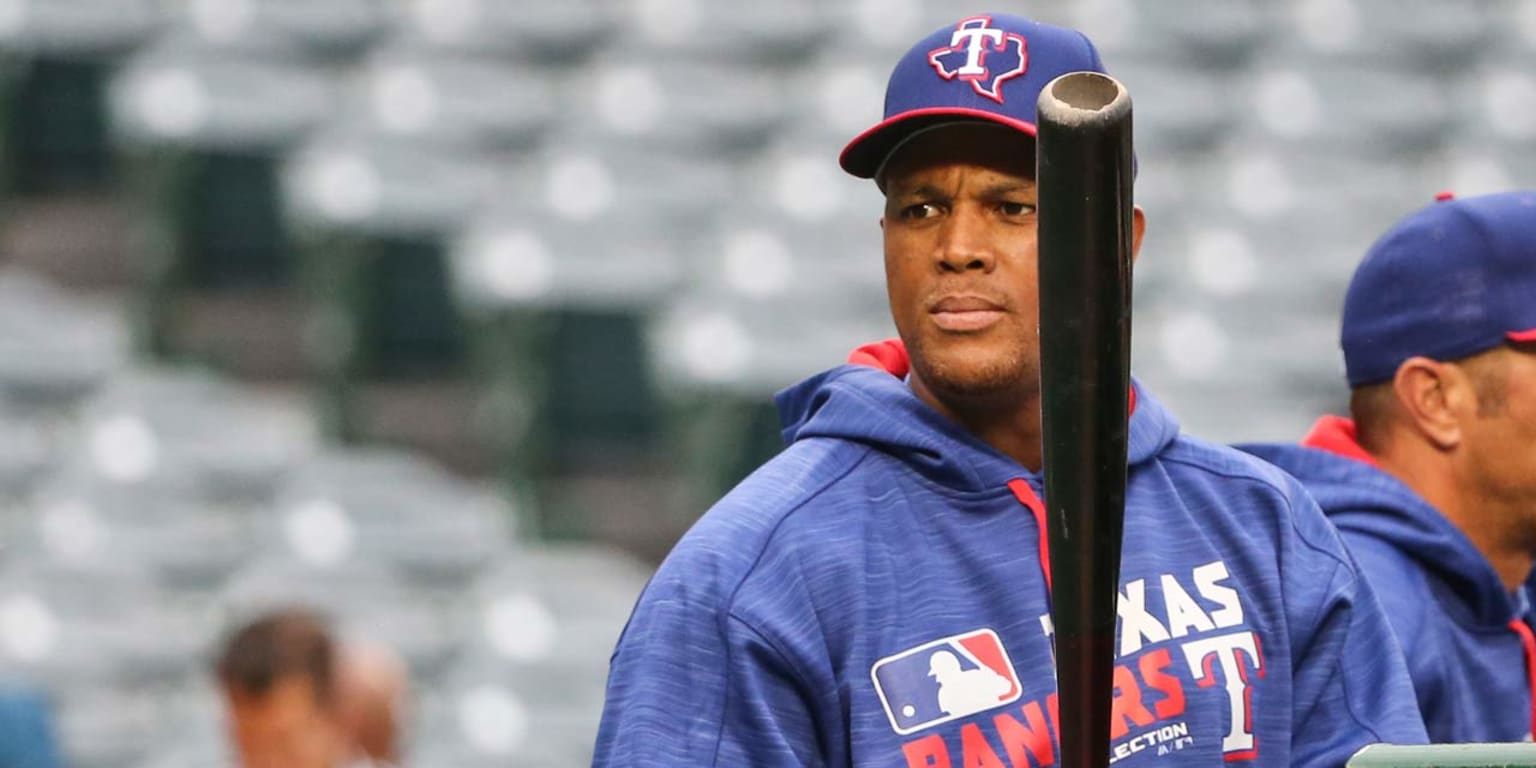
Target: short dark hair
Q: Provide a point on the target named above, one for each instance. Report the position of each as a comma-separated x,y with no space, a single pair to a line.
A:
292,642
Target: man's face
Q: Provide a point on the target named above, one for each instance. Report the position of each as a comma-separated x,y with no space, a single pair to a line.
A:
960,254
286,727
1502,436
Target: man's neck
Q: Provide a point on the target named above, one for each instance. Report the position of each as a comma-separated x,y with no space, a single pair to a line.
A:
1492,527
1009,424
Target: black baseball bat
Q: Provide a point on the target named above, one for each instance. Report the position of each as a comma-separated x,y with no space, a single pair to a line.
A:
1084,171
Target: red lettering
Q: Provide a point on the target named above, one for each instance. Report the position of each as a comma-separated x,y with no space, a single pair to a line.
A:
975,752
1127,702
927,752
1152,666
1029,737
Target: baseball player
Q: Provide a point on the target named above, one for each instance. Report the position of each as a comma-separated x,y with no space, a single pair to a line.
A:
810,618
1433,481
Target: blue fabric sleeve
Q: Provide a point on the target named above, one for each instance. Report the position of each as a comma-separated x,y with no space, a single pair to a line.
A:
1351,686
691,687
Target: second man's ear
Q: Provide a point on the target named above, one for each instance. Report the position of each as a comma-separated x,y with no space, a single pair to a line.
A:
1432,395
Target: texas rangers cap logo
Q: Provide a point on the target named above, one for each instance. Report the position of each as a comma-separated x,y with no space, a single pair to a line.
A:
981,55
945,680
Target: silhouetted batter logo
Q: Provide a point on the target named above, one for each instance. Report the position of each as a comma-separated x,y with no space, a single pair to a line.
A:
944,680
981,55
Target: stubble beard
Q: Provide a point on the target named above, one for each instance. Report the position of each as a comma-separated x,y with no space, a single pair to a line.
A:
1004,380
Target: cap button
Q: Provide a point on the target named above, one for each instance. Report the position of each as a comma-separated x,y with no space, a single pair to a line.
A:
1444,196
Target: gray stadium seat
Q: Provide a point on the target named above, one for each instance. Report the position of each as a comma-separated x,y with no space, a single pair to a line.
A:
796,180
434,531
836,94
350,181
423,95
488,714
1213,34
1495,104
1422,36
553,605
227,441
529,30
181,539
505,264
1514,32
1479,166
585,227
711,342
104,727
55,348
732,30
668,100
314,28
100,623
185,92
26,450
1347,104
76,27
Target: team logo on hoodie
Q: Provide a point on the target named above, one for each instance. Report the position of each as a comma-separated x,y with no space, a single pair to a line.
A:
944,680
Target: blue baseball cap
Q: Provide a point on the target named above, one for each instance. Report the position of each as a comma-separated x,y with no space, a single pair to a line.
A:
1449,281
989,68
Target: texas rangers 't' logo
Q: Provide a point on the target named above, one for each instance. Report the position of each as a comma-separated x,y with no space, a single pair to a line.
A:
982,55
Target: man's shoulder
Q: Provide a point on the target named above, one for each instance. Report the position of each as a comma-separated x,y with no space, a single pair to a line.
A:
1255,494
1195,458
772,508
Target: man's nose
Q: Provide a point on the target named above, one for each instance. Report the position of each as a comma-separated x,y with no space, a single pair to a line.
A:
964,244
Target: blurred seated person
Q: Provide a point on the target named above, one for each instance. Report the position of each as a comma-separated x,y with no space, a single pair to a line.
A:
297,698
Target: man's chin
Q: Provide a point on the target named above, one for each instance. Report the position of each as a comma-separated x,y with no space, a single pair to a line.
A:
976,379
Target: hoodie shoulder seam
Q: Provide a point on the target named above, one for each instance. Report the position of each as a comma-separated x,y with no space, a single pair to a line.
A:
729,607
1284,498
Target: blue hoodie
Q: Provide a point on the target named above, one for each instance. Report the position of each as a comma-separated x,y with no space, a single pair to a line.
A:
1465,636
876,595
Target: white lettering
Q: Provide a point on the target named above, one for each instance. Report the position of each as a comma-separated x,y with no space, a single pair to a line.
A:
1224,650
974,39
1183,612
1206,578
1135,622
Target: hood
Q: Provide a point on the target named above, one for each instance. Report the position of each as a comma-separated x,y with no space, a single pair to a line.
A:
1362,499
869,402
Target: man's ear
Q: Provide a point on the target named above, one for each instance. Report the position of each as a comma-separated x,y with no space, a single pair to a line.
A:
1138,228
1434,396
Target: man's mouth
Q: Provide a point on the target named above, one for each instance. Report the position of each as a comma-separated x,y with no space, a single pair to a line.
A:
965,313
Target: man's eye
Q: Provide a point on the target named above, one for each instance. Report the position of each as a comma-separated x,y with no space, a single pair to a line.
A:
920,211
1016,209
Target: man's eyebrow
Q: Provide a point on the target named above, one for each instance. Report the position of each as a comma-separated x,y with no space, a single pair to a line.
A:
924,190
1007,188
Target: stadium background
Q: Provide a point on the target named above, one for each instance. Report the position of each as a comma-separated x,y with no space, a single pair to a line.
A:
450,315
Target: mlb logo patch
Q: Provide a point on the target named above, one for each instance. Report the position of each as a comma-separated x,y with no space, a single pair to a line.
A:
944,680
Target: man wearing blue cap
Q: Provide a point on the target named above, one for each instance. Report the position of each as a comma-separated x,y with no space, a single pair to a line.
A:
1433,482
879,593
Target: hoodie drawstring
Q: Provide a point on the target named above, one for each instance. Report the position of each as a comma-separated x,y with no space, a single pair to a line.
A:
1026,496
1528,640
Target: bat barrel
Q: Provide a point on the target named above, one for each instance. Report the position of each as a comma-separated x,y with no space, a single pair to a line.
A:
1085,170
